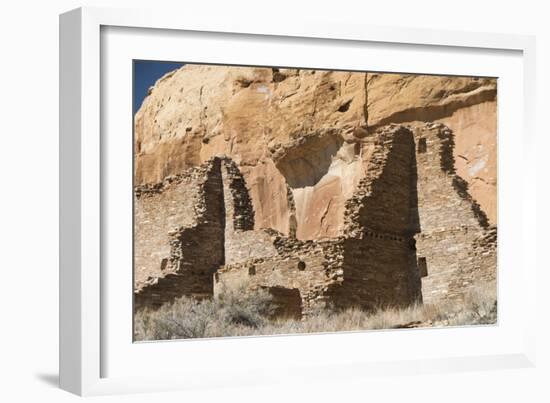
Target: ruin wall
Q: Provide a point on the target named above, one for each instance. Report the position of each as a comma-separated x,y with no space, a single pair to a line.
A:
412,233
196,251
158,210
381,219
373,264
303,268
456,244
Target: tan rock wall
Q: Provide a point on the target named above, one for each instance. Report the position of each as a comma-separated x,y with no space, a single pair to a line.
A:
322,171
385,195
379,271
196,250
305,267
260,117
401,98
157,212
451,221
277,169
202,111
474,128
464,104
364,267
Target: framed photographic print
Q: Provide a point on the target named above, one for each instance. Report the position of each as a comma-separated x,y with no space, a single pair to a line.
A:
238,198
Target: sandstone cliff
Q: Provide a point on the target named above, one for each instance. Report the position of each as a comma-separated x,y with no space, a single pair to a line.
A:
299,136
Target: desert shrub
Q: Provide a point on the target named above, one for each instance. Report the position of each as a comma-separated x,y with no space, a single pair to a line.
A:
241,312
479,307
243,307
231,312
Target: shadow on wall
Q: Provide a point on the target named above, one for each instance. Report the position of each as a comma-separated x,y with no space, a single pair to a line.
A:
287,302
446,154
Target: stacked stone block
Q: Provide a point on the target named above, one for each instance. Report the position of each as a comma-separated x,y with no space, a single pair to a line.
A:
412,233
196,250
458,246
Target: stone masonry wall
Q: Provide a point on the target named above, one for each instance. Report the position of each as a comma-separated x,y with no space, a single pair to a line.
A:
196,250
456,244
386,194
381,219
295,272
369,266
412,233
241,242
304,268
158,210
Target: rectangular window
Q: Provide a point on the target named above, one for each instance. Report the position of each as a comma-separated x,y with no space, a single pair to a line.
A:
422,146
422,267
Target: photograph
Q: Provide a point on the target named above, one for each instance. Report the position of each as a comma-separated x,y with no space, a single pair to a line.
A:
285,200
229,201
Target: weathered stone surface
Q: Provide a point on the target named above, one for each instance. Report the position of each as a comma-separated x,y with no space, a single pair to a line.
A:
293,128
202,111
171,230
399,98
475,152
293,180
456,243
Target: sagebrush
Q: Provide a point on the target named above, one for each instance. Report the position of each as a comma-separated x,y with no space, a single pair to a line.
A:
238,312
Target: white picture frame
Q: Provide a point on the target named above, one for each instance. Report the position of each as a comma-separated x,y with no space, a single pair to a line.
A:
83,172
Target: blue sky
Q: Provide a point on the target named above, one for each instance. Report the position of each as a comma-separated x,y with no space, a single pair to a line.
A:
146,73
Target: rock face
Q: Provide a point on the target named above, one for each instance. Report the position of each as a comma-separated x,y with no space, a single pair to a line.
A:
275,169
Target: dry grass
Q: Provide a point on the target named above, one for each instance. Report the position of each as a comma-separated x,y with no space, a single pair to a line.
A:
238,313
188,318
